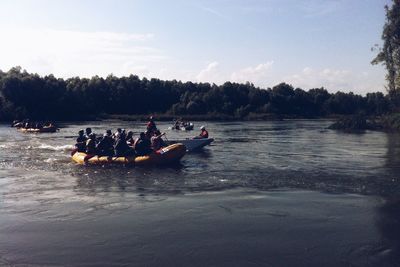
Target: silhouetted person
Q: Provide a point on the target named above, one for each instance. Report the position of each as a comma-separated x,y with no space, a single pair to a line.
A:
81,142
203,133
121,148
142,145
106,145
156,141
151,125
91,144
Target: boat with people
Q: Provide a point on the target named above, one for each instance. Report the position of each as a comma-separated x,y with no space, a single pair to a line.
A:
195,143
45,129
164,156
182,125
28,126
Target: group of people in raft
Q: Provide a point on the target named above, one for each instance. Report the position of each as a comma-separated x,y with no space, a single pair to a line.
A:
122,143
28,124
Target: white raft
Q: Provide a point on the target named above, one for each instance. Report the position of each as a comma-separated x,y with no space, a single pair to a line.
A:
193,144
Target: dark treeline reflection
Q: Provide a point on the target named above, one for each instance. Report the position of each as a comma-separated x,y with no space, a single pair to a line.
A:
23,94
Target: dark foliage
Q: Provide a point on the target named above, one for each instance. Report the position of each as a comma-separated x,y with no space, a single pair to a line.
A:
355,123
25,95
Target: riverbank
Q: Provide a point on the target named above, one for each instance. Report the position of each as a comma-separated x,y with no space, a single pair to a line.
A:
354,123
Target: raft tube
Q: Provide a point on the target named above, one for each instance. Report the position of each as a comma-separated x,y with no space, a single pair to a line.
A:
167,155
193,144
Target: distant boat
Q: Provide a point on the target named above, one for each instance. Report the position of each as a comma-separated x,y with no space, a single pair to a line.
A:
187,126
45,129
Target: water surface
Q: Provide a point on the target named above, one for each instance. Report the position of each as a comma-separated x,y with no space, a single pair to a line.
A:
284,193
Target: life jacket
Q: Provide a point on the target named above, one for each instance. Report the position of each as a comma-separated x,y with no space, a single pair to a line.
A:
204,134
157,143
151,126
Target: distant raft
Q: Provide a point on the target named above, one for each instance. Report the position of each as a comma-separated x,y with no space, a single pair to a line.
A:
183,126
167,155
46,129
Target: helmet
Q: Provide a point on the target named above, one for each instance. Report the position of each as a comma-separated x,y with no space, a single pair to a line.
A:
202,127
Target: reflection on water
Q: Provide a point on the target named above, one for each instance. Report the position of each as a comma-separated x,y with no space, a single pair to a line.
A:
388,223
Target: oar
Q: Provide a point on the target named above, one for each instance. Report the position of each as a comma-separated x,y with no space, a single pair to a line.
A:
165,135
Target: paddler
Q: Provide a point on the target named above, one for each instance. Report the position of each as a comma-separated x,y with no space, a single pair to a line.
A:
151,125
81,141
203,133
156,141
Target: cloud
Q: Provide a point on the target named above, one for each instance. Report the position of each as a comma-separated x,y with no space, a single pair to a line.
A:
211,74
335,80
257,74
73,53
215,73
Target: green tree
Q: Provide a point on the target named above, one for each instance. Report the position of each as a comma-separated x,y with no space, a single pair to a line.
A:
389,54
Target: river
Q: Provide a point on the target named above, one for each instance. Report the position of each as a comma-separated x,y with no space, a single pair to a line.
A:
279,193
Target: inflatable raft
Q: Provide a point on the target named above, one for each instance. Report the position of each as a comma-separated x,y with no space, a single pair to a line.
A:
193,144
183,127
167,155
51,129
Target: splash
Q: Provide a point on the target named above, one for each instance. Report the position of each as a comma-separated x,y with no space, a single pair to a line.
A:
56,148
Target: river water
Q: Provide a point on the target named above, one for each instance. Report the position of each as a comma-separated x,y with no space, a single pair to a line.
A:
281,193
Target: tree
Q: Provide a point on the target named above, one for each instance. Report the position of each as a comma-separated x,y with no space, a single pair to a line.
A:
389,54
29,95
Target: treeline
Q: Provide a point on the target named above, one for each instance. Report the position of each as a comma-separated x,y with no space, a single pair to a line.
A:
26,95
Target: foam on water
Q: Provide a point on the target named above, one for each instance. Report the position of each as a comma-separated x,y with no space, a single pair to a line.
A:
56,148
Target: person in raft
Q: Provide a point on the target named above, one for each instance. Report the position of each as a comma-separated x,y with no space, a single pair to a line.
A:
203,133
151,125
121,147
106,145
156,141
142,145
88,131
80,145
91,145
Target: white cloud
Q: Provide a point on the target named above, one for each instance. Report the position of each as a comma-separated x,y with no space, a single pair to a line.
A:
257,74
335,80
211,74
73,53
216,73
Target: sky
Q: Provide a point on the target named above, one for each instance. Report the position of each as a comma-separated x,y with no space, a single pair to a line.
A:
306,43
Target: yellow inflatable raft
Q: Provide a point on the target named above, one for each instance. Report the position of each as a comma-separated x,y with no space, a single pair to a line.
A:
166,155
